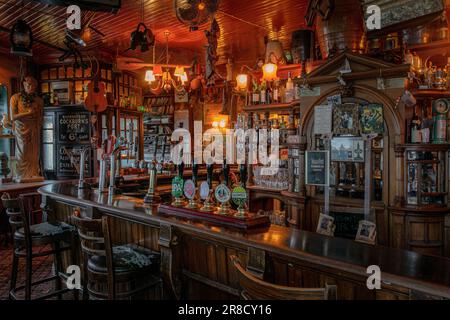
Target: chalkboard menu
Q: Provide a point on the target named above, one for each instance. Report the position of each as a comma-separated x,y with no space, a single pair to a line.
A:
67,131
74,127
69,160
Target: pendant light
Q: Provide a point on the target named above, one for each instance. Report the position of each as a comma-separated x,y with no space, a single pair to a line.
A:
21,38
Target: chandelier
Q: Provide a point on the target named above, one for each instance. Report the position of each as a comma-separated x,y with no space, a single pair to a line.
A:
160,77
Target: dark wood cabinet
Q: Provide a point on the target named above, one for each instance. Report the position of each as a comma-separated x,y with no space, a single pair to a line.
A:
418,221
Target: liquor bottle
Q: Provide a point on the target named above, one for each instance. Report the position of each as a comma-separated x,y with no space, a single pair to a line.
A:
255,95
415,129
289,94
269,95
263,92
276,92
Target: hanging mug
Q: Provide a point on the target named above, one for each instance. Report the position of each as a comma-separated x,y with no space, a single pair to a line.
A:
408,99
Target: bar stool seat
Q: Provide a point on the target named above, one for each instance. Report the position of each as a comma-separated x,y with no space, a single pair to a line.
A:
31,240
116,272
46,232
127,258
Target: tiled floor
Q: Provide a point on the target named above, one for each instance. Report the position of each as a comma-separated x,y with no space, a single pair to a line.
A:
42,268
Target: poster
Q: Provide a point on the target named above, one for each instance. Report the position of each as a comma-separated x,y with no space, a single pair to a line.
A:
323,116
317,168
372,120
347,149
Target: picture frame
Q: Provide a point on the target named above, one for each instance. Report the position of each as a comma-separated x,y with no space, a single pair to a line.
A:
346,119
326,225
367,232
372,119
317,168
347,149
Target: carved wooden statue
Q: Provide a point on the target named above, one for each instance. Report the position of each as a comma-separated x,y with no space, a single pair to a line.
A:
26,116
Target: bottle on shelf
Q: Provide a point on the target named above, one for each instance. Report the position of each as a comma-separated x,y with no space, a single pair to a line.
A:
289,94
416,135
263,93
276,92
255,94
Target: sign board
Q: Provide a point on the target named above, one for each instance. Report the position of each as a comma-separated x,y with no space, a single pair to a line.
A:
74,127
317,168
323,119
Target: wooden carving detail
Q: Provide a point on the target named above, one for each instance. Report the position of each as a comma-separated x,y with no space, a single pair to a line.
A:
256,262
168,242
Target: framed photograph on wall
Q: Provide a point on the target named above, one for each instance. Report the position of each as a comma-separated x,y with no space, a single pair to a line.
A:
346,119
372,120
347,149
317,168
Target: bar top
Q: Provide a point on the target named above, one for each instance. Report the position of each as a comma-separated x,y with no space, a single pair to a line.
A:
428,274
7,187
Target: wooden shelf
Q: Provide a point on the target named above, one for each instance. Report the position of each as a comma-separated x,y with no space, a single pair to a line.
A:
431,93
6,136
274,107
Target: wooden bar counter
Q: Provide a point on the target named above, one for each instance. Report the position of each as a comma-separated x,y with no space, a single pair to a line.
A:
195,255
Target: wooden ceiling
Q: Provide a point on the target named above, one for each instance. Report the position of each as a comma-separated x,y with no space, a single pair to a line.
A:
243,23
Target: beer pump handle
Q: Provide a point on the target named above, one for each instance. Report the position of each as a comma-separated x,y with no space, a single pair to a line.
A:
195,173
181,170
226,173
209,174
243,174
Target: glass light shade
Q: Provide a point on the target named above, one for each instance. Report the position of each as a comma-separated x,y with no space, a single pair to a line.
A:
215,124
149,76
157,71
222,123
184,77
270,71
242,81
179,71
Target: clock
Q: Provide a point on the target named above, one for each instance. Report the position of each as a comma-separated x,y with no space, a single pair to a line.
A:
441,106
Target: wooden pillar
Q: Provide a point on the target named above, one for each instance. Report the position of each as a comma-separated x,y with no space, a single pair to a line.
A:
302,151
168,243
400,176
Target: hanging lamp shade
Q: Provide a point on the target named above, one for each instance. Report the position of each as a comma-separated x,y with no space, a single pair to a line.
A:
184,77
270,71
149,76
157,71
21,38
179,71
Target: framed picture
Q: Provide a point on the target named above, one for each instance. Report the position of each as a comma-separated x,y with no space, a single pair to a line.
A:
326,225
334,100
347,149
367,232
346,119
317,168
372,120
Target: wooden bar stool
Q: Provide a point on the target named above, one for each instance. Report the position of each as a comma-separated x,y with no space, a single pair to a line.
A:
116,272
254,288
27,237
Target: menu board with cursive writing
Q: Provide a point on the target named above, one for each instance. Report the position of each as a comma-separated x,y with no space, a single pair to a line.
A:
74,127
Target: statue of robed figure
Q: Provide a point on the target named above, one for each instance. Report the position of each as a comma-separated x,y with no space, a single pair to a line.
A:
26,119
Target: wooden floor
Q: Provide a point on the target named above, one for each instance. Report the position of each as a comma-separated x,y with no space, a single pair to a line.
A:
42,268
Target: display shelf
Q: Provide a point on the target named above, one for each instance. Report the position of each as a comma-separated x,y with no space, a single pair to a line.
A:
274,107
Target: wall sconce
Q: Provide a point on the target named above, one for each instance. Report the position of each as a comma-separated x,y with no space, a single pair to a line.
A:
270,71
242,82
21,38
